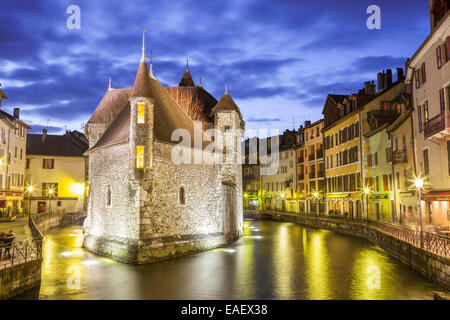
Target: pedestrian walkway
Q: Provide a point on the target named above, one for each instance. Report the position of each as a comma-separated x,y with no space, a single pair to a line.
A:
20,228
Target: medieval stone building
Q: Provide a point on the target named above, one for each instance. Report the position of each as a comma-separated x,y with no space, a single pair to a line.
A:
142,205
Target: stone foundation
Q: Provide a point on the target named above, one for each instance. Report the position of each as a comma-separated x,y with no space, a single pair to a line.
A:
19,278
157,249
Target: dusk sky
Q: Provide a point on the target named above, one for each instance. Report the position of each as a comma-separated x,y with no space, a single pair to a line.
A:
278,58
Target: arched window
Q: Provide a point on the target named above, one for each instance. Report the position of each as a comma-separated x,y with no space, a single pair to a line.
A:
182,196
108,197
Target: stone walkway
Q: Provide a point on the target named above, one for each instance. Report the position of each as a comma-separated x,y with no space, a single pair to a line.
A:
20,228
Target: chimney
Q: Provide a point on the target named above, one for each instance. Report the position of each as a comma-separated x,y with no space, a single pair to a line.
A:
307,123
44,134
16,113
400,76
380,81
369,88
388,82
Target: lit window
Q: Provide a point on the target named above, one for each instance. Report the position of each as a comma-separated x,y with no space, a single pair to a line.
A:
140,157
141,112
151,114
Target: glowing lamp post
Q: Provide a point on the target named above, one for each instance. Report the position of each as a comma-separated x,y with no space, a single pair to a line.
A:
50,192
30,191
316,197
419,184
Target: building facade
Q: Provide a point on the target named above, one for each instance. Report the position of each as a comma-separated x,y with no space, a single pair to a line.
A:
13,139
429,77
152,197
343,152
57,163
310,168
277,181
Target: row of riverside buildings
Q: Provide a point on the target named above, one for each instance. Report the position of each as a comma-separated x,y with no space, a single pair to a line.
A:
45,162
362,158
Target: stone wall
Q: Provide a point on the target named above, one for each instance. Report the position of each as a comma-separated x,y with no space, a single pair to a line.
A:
19,278
435,267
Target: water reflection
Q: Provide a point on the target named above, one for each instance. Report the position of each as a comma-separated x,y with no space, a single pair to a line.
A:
272,260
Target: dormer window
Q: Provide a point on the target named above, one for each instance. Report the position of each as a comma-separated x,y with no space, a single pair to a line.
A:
140,112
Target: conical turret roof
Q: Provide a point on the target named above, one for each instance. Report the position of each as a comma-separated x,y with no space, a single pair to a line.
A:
226,103
187,81
141,87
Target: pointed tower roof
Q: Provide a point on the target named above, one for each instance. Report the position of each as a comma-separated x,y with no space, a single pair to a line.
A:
187,81
226,103
141,87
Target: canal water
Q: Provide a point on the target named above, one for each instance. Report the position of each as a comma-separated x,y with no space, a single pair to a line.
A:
273,260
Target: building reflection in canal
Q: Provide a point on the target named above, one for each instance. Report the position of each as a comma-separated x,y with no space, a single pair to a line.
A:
273,260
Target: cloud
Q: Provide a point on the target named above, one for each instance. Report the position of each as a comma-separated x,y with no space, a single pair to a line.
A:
269,53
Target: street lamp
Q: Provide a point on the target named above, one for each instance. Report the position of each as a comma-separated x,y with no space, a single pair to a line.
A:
30,190
316,196
366,192
419,184
50,192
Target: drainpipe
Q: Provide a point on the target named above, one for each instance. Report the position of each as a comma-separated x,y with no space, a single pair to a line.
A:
362,167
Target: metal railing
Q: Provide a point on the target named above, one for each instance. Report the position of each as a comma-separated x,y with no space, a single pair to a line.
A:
18,252
399,156
437,124
430,242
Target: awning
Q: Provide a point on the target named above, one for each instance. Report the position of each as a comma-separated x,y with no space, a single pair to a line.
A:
436,196
338,196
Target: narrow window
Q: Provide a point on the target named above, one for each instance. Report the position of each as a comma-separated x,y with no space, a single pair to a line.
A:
141,112
151,114
139,157
424,75
425,112
108,197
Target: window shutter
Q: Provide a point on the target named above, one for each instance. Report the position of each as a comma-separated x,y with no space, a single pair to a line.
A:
424,74
385,182
419,117
376,158
369,160
447,45
417,78
442,99
448,156
439,57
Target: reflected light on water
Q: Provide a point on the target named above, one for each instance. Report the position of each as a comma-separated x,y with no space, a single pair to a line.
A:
317,264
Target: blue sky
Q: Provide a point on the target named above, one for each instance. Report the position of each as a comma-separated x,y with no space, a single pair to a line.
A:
278,58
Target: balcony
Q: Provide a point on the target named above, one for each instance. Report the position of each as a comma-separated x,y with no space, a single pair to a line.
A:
320,174
399,156
312,175
438,126
301,177
319,154
311,157
301,160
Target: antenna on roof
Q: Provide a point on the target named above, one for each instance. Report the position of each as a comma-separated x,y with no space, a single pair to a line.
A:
200,81
143,44
109,86
187,63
